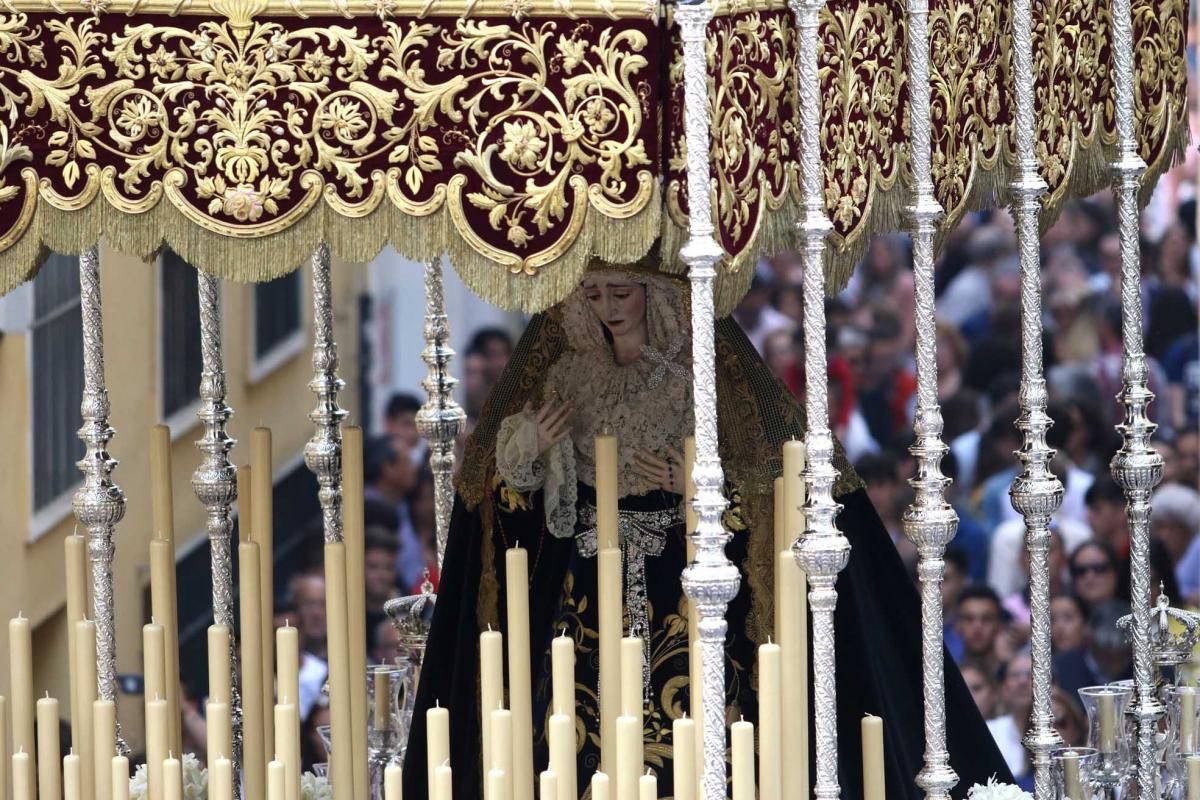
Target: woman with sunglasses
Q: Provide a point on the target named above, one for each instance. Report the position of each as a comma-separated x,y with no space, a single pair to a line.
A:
1094,573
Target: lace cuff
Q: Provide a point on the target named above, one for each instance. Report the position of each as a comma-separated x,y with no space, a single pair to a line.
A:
519,464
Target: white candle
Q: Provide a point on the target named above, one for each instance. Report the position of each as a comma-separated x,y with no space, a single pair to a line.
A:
20,664
218,663
163,612
49,780
770,723
72,777
631,677
120,778
1187,719
600,789
218,729
287,746
437,742
491,687
382,718
497,783
393,783
82,728
22,776
443,784
5,760
742,735
562,657
1107,708
262,532
276,780
287,657
695,667
683,747
104,745
548,785
606,492
76,562
791,630
1072,786
154,661
220,779
562,755
609,577
254,743
156,744
1193,778
872,746
519,678
172,775
629,757
354,534
501,723
648,787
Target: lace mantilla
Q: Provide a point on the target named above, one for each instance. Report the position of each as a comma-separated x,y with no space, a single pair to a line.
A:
519,464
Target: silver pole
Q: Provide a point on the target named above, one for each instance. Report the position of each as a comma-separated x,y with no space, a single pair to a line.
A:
1137,467
711,580
822,550
441,420
930,522
99,504
323,453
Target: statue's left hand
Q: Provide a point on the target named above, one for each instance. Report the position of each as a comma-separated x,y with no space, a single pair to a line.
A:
666,473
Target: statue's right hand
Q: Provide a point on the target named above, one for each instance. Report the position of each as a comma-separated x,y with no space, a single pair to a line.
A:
553,424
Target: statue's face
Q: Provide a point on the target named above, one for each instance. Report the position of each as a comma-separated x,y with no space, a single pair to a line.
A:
618,302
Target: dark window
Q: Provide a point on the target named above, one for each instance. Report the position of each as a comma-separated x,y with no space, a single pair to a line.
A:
180,332
276,312
57,367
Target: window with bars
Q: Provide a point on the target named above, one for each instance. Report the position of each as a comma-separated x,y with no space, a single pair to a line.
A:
276,313
56,363
179,335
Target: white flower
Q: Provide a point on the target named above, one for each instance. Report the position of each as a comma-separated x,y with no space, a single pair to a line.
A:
997,791
195,781
314,788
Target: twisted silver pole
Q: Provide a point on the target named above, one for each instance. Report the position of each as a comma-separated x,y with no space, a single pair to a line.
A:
323,452
441,420
99,504
215,481
822,551
711,580
1036,493
1137,467
930,522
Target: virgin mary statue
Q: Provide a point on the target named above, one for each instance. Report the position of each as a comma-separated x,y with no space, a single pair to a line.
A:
615,356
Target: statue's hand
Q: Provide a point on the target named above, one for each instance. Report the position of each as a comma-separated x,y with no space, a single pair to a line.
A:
553,424
666,473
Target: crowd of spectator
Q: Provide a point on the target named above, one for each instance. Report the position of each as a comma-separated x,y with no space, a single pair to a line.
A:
872,398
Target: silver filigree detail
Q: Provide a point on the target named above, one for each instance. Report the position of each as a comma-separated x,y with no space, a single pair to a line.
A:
822,551
99,504
323,452
441,420
710,581
1036,492
929,522
215,481
1137,467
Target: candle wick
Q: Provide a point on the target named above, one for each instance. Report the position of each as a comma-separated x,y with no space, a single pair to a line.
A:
769,639
489,627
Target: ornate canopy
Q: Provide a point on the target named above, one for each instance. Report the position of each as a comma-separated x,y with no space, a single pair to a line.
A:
524,136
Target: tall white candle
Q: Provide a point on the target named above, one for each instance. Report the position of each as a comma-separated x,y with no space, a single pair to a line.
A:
287,746
254,742
443,783
120,778
218,663
563,755
1193,778
220,779
262,531
609,577
683,754
872,746
501,723
154,661
163,612
548,785
1187,719
49,781
1107,709
82,728
562,659
695,666
393,783
437,743
104,745
5,760
172,772
519,678
770,723
276,780
76,562
156,745
72,777
648,787
742,734
791,631
22,776
20,676
1072,786
287,658
491,687
600,787
497,783
606,492
218,729
629,757
631,677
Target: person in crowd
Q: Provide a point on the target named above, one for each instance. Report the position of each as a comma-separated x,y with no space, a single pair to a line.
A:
881,474
1069,635
970,293
1069,720
1008,561
1110,656
390,476
387,642
380,550
1009,729
887,391
1094,573
313,750
424,520
308,597
970,538
1181,363
496,346
1175,521
400,423
1017,603
756,316
979,623
475,385
954,580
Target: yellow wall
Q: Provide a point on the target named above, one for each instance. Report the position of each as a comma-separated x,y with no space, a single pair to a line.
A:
31,572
